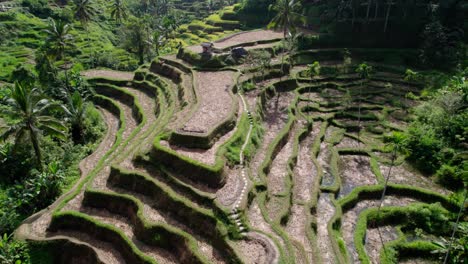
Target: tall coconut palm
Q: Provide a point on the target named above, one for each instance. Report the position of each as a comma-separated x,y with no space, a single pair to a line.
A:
84,11
58,38
76,109
395,146
118,11
287,16
30,107
387,15
364,72
136,38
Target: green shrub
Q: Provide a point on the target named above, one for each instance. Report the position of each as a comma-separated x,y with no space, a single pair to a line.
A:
13,251
39,8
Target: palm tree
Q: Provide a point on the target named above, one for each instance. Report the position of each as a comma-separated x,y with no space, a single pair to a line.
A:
136,37
364,72
396,145
58,38
285,19
30,107
287,16
84,11
76,110
118,11
389,7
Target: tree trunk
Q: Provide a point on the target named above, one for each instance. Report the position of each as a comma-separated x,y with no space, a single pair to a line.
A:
456,226
390,3
35,143
376,9
141,54
368,10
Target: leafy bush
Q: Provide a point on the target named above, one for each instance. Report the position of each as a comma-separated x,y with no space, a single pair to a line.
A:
424,146
40,190
457,249
442,47
94,127
13,251
39,8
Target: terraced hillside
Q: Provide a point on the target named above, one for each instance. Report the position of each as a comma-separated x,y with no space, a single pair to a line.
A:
196,168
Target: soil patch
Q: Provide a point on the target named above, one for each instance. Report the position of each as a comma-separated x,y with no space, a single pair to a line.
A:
215,101
276,116
297,227
355,171
350,218
236,39
276,178
231,191
404,174
160,255
105,250
305,172
110,74
373,243
325,211
206,156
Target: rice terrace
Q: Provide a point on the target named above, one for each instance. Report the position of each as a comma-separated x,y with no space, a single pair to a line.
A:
254,131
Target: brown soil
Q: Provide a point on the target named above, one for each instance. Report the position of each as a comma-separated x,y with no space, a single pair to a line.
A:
231,191
275,118
256,220
252,252
355,172
373,243
323,160
148,105
350,218
348,142
305,172
106,251
111,74
152,214
276,178
325,211
206,156
155,174
160,255
258,249
404,174
297,227
237,39
215,101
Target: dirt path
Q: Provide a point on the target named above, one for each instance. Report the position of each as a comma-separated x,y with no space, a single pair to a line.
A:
215,101
325,211
110,74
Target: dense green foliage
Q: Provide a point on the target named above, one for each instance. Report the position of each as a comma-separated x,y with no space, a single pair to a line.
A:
438,136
